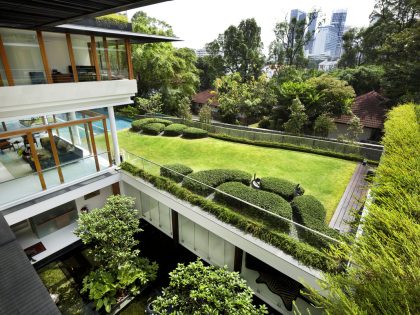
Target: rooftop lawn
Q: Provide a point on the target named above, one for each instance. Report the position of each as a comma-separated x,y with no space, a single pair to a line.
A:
323,177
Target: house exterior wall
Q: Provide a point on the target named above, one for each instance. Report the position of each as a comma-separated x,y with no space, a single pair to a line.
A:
342,130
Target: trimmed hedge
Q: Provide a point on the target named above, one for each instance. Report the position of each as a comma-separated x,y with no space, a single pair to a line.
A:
309,211
194,133
214,178
174,130
304,253
136,125
286,146
263,199
279,186
180,168
153,128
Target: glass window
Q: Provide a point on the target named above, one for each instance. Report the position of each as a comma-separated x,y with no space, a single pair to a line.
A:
118,58
24,56
58,57
83,57
101,55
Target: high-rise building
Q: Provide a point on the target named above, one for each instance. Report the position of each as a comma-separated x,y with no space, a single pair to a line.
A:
311,30
338,21
297,14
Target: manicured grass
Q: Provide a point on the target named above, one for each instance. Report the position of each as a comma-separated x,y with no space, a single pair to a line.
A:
323,177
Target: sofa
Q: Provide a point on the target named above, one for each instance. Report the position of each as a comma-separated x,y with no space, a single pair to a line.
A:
66,151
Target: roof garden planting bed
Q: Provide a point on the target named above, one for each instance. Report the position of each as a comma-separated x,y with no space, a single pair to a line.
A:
249,220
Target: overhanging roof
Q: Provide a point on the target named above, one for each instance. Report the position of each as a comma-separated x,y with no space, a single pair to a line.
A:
43,13
135,38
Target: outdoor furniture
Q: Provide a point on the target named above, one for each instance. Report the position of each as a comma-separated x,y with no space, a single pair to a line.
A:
4,144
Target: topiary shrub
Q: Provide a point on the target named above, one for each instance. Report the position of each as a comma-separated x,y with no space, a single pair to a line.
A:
214,178
137,125
263,199
194,133
153,128
174,130
167,171
309,211
281,187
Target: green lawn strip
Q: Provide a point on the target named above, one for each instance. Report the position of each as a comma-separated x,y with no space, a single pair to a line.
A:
324,177
54,279
304,253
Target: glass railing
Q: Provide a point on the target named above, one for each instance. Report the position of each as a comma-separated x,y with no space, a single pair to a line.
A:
23,181
267,211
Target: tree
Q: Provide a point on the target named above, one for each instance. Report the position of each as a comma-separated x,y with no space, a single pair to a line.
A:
355,129
151,105
241,49
197,289
110,233
297,119
205,114
291,38
363,79
323,125
184,109
352,55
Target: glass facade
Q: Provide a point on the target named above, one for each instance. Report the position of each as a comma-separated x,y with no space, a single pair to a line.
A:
82,50
118,58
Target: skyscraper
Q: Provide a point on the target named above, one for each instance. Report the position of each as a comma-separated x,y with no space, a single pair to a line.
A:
338,21
311,30
299,15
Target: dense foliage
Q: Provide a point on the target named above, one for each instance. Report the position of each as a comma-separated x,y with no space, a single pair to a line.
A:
174,130
198,289
169,170
303,252
110,233
214,178
384,274
266,200
281,187
194,133
153,128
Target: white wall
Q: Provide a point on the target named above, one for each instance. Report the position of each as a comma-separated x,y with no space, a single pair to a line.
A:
57,52
94,202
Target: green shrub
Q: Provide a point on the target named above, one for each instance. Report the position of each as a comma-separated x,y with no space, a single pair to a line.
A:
153,128
174,130
304,253
309,211
279,186
137,125
264,123
214,178
194,133
166,171
263,199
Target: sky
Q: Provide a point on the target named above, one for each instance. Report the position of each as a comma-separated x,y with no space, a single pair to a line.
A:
198,22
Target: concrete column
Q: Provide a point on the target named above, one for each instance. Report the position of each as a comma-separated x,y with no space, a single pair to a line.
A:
75,130
114,135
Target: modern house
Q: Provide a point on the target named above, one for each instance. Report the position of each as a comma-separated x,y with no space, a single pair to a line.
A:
371,110
60,82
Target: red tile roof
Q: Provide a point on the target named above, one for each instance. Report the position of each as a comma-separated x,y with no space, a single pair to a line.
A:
204,96
369,108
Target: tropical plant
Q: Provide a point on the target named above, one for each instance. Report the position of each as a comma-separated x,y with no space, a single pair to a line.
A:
205,114
297,119
324,123
355,129
151,105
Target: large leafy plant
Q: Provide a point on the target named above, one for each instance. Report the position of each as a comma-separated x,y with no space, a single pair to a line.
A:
110,232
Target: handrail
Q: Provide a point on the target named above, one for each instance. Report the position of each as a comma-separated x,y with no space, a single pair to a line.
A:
241,200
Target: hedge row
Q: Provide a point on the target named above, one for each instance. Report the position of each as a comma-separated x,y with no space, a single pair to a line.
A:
136,125
309,211
153,128
194,133
286,146
263,199
167,171
214,178
174,130
304,253
281,187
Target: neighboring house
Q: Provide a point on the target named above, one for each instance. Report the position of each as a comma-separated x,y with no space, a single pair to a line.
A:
327,65
205,97
371,110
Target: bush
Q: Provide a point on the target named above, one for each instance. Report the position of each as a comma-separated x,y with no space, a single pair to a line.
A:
263,199
281,187
153,128
214,178
137,125
167,171
264,123
309,211
301,251
194,133
174,130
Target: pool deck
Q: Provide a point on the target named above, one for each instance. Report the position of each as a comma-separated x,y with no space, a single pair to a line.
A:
351,201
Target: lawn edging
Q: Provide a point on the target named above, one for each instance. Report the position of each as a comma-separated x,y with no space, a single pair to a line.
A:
304,253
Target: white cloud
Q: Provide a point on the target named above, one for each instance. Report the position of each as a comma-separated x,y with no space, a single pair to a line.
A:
198,22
